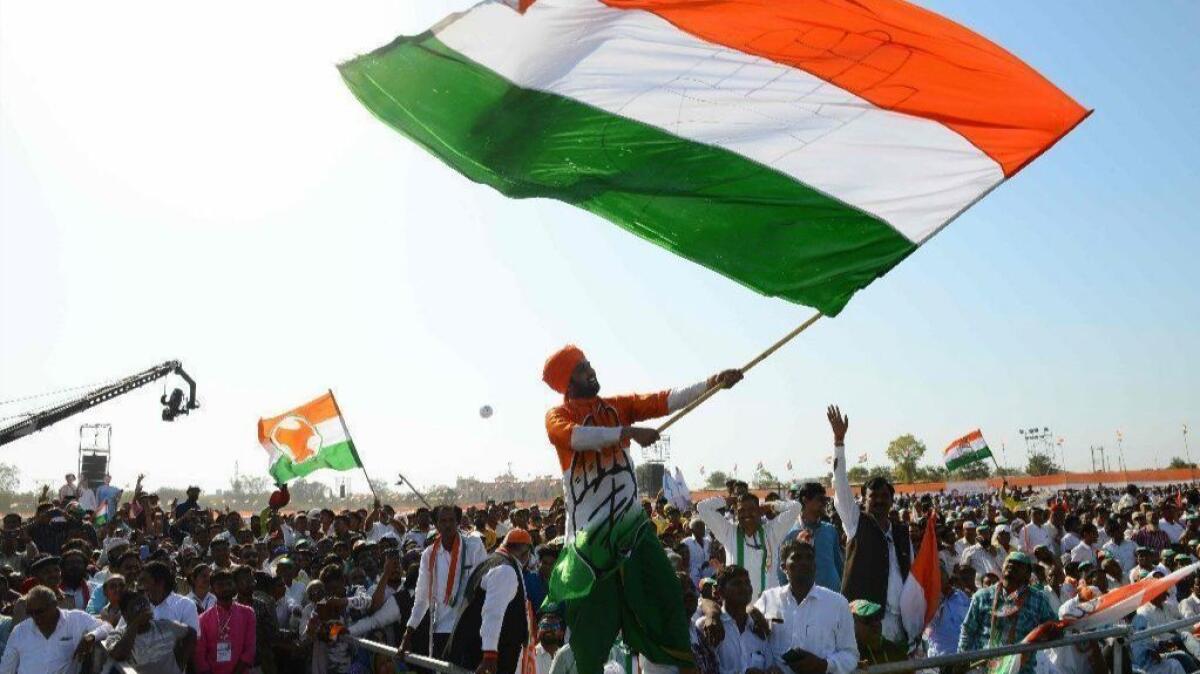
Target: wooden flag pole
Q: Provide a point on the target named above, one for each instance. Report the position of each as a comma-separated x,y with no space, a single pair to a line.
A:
745,368
353,447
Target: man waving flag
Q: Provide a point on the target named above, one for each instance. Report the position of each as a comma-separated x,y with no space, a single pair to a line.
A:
613,568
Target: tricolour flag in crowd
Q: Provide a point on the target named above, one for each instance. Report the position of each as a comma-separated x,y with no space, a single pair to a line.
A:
800,148
308,438
922,591
966,450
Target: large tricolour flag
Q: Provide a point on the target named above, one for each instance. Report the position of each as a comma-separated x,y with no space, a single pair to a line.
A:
800,148
308,438
966,450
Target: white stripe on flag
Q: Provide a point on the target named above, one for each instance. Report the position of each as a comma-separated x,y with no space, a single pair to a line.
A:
914,173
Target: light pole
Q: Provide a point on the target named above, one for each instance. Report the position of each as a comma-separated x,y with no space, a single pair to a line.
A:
1188,453
1121,453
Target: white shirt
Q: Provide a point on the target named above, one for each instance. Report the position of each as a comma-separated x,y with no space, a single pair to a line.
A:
698,555
202,605
983,561
961,544
471,555
740,650
821,625
755,556
1068,543
29,652
415,536
1189,607
848,509
1083,553
1124,552
87,500
382,530
175,607
542,659
1174,530
499,585
1033,535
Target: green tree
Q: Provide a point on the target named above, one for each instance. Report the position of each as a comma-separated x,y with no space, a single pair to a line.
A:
764,479
905,452
930,474
1177,462
10,481
716,480
860,474
1041,464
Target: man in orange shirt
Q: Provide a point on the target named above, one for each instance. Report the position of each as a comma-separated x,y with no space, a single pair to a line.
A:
613,574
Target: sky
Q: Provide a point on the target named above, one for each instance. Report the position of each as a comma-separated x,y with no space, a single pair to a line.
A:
195,182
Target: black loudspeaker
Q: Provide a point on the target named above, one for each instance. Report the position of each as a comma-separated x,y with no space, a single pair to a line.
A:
649,477
92,469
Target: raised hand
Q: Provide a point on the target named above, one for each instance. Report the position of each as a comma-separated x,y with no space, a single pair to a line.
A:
839,422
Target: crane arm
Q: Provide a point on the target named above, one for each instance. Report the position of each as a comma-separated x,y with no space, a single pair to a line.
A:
39,420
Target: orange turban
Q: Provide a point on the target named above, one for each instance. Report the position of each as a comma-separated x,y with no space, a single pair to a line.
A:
517,536
560,365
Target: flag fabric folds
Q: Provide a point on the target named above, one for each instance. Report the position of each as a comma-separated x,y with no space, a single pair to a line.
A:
308,438
966,450
802,149
922,591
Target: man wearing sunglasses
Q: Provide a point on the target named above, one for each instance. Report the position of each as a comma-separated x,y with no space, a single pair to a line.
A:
52,638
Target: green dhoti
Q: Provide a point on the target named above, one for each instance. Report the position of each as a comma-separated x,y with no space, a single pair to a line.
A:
635,594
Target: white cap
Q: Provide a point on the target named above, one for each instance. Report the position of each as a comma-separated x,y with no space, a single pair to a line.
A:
1003,528
968,524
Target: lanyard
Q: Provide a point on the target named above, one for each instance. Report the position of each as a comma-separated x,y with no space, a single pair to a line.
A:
760,538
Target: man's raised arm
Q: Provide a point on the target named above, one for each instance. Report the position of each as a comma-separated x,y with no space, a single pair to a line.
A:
708,511
843,497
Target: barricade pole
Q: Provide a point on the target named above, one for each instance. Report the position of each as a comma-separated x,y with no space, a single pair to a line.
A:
410,658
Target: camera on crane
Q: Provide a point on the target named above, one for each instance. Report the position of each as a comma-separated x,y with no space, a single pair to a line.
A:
175,405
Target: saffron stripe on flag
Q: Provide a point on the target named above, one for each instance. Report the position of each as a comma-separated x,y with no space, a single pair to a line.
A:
900,57
710,205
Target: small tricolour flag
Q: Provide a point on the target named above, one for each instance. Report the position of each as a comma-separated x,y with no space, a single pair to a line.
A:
922,591
966,450
308,438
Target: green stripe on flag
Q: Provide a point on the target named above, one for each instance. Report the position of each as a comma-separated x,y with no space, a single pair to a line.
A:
341,456
968,458
707,204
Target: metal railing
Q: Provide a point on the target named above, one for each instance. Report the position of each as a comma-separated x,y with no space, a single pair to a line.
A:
1123,635
410,658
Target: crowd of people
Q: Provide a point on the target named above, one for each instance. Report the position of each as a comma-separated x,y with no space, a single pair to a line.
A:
790,580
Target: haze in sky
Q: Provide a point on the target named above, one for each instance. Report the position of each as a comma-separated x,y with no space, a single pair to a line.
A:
195,182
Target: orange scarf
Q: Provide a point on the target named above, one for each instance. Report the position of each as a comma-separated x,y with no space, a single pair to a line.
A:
450,594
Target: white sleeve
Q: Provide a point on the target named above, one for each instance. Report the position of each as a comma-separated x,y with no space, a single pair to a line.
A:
787,514
844,658
386,615
358,601
591,438
421,593
500,586
843,498
722,530
189,615
679,398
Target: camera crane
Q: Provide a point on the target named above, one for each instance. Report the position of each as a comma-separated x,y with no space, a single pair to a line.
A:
174,405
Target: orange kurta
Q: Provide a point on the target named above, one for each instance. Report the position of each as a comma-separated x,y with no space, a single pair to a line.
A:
616,411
